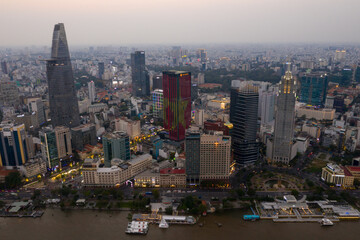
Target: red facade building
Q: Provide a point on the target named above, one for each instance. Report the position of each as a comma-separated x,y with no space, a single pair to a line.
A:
177,103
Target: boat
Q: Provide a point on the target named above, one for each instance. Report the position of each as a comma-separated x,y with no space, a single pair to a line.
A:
326,222
219,224
137,227
251,217
163,224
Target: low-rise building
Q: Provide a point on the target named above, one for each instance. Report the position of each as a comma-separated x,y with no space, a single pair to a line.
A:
337,175
172,177
33,168
316,113
116,174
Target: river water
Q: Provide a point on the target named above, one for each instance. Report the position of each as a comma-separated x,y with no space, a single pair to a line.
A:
88,224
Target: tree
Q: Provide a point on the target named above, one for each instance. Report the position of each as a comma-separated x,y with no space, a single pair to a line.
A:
169,210
251,192
1,115
295,192
13,180
156,194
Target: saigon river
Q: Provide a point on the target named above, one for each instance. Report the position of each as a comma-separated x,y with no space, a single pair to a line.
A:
90,224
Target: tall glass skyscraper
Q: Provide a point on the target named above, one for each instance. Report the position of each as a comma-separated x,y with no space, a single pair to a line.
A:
64,109
313,88
140,77
284,119
177,103
243,115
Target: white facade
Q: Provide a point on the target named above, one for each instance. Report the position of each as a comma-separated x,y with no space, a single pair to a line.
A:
132,128
92,93
116,175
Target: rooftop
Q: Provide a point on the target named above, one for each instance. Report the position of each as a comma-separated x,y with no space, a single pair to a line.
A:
172,171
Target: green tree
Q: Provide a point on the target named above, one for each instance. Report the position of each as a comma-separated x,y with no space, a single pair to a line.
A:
251,192
156,194
295,192
13,180
169,210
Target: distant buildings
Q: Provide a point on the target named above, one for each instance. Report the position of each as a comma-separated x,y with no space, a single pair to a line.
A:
13,150
64,107
101,67
92,93
116,145
158,101
243,116
316,113
284,120
140,77
9,93
177,103
157,82
313,88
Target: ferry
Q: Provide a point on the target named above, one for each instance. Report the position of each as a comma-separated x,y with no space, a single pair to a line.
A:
326,222
137,227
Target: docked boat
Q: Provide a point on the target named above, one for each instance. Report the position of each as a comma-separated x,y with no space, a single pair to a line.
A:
137,227
163,224
326,222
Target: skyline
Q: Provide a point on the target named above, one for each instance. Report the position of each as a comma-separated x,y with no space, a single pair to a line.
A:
181,22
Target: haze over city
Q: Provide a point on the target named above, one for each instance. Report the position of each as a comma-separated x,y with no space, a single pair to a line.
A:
230,119
131,22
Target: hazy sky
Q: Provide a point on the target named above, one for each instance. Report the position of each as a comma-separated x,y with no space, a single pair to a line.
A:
123,22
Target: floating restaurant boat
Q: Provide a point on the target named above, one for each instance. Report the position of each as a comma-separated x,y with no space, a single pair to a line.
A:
137,227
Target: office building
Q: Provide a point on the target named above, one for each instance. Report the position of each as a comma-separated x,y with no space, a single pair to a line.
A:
64,109
284,119
172,178
63,142
158,100
13,151
116,145
101,67
83,135
37,105
4,67
9,93
215,158
49,150
192,153
313,89
140,76
92,93
243,116
177,103
131,127
157,82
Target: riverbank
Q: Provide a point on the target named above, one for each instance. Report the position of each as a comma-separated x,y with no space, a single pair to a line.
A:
94,225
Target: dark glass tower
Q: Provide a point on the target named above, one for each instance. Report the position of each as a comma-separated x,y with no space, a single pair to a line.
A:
177,103
64,109
140,77
101,66
192,151
313,88
243,115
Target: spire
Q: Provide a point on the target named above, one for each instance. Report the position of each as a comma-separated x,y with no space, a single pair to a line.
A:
59,43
